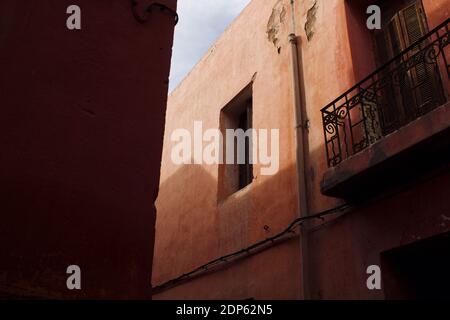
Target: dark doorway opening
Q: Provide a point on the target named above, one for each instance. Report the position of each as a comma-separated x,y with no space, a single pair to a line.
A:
418,271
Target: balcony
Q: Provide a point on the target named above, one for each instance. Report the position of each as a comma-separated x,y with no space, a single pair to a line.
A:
393,117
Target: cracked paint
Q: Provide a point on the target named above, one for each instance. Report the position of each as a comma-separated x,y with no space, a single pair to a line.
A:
311,21
274,25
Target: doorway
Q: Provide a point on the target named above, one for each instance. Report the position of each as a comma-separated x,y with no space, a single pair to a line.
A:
418,271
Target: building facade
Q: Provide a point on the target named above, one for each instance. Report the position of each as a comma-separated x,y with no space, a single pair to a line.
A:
366,175
81,140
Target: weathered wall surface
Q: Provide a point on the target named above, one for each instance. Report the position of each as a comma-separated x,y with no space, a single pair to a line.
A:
82,119
193,229
337,57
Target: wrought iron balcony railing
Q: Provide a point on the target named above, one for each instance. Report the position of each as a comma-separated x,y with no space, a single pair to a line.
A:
406,87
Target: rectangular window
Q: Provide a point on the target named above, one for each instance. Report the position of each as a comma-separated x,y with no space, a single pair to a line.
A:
236,117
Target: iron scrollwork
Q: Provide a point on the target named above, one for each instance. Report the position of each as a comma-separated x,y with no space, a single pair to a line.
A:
368,111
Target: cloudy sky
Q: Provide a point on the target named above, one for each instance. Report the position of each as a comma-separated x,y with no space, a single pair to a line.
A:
201,23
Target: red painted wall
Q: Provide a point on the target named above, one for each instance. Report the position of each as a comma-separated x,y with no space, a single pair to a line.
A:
81,128
341,249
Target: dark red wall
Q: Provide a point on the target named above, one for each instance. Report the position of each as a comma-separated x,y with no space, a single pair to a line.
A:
81,127
342,249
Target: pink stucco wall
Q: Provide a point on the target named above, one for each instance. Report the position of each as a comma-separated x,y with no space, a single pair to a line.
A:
193,228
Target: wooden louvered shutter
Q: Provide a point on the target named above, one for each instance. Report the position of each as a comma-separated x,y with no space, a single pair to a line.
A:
413,24
391,105
419,88
424,77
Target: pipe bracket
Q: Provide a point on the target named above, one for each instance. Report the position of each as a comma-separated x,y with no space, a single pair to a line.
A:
143,17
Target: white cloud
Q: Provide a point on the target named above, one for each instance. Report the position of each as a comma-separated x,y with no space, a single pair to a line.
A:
201,22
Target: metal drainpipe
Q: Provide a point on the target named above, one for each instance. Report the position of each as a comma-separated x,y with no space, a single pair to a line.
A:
301,155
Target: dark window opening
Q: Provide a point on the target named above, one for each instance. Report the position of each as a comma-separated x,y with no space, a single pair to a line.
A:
246,169
237,115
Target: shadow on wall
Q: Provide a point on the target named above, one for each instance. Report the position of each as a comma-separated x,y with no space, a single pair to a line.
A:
192,229
186,209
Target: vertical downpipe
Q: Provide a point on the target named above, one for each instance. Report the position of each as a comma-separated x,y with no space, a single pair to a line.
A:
301,155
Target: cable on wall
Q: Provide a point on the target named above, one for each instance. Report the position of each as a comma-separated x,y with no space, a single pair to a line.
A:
290,230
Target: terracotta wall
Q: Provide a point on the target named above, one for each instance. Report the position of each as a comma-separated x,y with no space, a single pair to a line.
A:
82,119
193,228
341,250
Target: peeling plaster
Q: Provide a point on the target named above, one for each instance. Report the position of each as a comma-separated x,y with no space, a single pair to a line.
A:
311,21
276,20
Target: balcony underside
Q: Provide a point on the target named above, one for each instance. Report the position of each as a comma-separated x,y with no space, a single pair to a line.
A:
410,153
